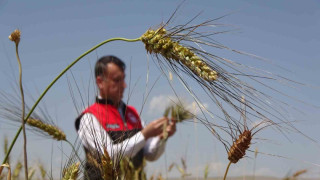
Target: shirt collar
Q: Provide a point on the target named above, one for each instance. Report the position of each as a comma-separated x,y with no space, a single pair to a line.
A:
100,100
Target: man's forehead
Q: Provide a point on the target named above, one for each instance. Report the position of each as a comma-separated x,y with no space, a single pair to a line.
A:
114,70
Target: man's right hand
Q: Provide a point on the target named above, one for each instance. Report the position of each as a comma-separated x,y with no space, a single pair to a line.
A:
155,128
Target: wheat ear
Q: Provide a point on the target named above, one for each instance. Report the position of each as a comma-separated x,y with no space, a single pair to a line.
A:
71,173
55,132
107,166
298,173
238,149
17,170
159,42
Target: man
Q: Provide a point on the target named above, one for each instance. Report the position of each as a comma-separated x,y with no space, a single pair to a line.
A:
111,126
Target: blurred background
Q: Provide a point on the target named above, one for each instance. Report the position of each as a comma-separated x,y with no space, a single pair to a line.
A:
54,33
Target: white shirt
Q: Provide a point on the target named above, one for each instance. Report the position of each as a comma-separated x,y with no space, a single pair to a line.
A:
93,135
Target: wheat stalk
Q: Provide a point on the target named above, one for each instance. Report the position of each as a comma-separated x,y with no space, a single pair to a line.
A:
15,37
241,143
9,171
6,148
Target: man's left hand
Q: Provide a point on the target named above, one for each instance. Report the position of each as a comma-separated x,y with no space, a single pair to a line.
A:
171,129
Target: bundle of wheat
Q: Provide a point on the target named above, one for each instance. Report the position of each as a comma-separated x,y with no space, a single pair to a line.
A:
178,112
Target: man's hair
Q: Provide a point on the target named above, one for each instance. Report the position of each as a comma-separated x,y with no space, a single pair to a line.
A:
101,64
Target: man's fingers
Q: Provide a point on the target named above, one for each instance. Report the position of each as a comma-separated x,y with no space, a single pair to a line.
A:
161,120
171,129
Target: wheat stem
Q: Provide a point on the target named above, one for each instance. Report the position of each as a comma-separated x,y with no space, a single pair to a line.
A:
75,152
22,115
225,174
57,78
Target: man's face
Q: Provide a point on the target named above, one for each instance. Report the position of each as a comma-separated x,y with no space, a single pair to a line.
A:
112,83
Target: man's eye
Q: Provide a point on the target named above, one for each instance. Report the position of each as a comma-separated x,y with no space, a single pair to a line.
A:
118,80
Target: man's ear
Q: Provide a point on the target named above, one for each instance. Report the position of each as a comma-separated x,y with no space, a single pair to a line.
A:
99,81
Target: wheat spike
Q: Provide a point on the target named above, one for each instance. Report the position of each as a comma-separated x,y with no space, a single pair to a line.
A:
206,171
178,112
239,147
43,172
55,132
160,177
17,170
71,173
31,173
152,177
158,42
93,161
298,173
256,153
171,166
107,166
15,36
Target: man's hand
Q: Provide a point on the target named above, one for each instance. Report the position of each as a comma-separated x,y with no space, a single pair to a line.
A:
155,128
170,130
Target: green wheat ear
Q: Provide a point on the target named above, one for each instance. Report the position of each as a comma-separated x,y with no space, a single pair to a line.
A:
159,42
178,112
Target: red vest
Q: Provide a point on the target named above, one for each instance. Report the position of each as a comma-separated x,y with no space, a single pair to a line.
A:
110,118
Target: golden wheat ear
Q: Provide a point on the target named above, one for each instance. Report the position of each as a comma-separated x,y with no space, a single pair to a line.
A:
71,172
239,147
55,132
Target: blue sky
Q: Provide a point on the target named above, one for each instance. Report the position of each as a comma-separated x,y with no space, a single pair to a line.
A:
54,33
